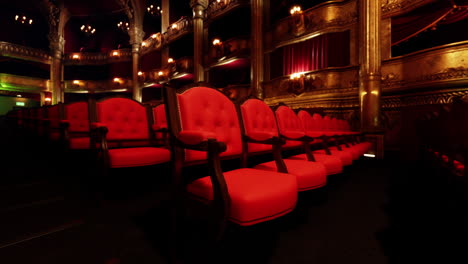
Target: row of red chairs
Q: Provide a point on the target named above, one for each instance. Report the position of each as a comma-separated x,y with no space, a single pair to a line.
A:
203,126
447,144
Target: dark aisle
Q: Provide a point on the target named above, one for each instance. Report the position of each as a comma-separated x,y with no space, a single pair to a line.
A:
376,212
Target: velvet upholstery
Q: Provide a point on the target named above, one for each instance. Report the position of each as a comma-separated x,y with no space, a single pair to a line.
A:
206,109
256,195
127,137
258,118
77,116
309,175
125,119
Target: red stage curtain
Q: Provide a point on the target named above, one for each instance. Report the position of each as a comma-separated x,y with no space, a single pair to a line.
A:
409,25
328,50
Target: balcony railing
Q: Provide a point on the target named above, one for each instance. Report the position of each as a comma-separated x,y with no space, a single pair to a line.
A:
231,48
169,71
22,52
88,58
87,86
323,18
219,7
177,29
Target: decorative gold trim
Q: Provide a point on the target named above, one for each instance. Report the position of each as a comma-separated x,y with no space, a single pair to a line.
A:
24,53
398,7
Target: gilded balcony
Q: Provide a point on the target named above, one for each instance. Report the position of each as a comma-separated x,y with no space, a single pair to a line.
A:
97,58
222,51
24,53
102,86
178,29
10,82
218,8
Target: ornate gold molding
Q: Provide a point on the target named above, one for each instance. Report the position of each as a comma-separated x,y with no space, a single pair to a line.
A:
216,9
25,53
324,18
18,83
398,7
177,29
87,58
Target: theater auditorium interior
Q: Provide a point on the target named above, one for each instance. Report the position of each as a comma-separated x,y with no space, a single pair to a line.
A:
233,131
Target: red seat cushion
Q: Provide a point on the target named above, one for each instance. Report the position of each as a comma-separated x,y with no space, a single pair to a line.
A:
333,164
133,157
256,195
346,157
310,175
79,143
355,151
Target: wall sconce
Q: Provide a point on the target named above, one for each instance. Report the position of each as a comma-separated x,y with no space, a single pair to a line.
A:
295,10
296,83
47,100
143,44
174,26
115,53
118,80
140,73
76,56
76,82
170,60
298,21
154,36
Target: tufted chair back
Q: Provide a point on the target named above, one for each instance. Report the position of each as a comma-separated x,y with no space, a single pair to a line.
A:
258,118
334,124
327,126
208,110
289,124
319,122
53,114
77,115
124,118
159,115
307,121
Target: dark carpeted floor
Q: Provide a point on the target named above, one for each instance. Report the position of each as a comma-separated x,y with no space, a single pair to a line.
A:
387,211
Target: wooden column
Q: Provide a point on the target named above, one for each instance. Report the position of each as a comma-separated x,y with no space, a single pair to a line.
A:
199,7
257,56
370,91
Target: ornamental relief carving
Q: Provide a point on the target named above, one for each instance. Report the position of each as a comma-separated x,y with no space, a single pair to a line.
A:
449,73
396,7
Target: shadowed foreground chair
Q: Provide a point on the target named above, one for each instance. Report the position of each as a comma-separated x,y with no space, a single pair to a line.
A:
205,129
121,130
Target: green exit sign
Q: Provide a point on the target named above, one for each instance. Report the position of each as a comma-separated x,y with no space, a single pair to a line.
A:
20,103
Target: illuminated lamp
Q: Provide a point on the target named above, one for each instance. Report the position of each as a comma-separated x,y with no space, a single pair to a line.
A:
48,99
295,10
76,82
143,44
170,60
76,56
174,26
115,53
217,42
117,80
160,73
140,73
154,36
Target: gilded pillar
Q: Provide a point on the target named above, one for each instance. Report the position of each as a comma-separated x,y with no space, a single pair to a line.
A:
136,38
257,56
57,18
165,13
56,68
198,7
370,92
370,59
